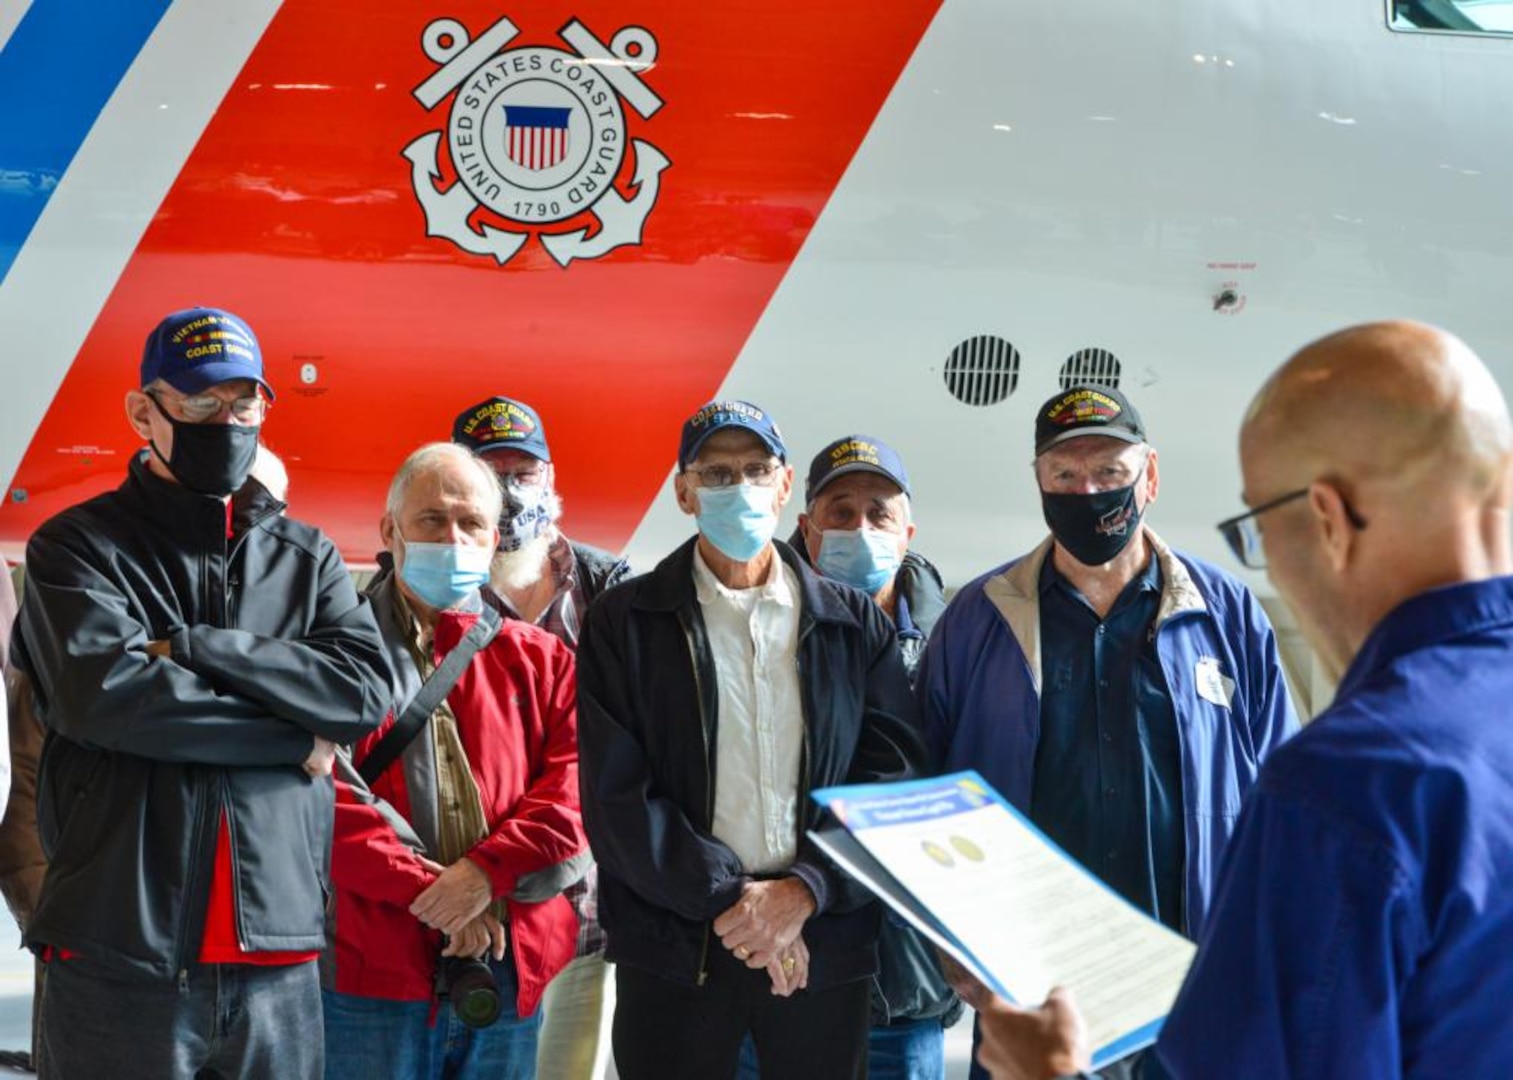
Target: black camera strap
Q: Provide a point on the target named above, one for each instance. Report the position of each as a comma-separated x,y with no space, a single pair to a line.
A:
431,694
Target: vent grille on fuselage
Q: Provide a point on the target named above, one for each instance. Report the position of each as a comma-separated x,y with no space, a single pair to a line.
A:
1098,366
982,370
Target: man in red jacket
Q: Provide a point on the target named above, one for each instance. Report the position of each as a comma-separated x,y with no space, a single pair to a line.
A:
460,847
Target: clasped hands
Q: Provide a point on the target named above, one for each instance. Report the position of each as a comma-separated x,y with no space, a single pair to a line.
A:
764,929
456,903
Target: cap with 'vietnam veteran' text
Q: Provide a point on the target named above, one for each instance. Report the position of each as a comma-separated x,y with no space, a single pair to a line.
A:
198,348
854,453
1086,410
501,423
722,416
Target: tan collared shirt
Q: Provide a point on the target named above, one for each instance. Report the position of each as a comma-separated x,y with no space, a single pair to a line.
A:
459,813
753,635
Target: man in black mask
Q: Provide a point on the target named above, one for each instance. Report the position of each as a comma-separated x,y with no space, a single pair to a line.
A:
194,656
1121,694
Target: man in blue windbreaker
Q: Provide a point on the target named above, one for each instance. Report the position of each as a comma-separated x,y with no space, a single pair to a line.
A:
1120,693
1363,922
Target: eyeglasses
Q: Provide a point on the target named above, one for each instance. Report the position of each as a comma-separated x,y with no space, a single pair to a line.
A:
202,408
1243,534
532,476
758,473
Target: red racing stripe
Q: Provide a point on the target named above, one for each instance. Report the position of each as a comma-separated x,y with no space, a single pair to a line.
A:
296,210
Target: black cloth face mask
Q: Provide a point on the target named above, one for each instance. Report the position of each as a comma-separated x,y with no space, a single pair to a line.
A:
1095,528
211,459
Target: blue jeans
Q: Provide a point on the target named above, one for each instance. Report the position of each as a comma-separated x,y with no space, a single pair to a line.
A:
368,1038
908,1051
227,1020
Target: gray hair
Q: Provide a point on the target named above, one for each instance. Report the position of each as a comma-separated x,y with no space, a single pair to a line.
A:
433,456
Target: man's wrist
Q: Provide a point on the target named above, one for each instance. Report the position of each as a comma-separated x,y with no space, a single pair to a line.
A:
805,891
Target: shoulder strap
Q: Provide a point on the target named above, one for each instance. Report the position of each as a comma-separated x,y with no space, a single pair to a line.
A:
431,694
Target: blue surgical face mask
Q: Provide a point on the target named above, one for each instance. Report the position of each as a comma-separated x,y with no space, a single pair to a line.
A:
444,575
739,519
865,559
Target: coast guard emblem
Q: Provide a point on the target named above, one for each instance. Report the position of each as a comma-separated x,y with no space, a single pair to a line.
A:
536,136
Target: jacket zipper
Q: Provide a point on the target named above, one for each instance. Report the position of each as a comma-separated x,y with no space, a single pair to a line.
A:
191,879
805,762
698,689
235,895
1155,634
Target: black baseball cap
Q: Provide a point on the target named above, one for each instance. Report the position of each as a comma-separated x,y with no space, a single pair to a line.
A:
1087,410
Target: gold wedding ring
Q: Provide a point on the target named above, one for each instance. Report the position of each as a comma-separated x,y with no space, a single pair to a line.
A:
788,964
742,952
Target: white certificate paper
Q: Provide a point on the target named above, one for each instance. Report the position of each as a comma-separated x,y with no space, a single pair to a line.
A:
971,872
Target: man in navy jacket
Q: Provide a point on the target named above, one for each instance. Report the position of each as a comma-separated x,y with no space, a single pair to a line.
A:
715,693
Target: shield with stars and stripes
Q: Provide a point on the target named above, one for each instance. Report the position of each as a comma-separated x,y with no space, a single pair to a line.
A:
535,136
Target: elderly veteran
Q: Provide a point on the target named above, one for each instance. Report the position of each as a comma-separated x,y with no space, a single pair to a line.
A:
194,655
715,693
461,834
856,528
1120,693
542,577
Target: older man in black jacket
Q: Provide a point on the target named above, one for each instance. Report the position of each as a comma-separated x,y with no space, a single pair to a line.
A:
714,694
195,656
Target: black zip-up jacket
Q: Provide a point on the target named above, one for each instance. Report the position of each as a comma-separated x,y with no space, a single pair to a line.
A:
909,984
648,734
270,645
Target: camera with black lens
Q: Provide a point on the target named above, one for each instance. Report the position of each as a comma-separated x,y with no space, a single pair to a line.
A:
471,988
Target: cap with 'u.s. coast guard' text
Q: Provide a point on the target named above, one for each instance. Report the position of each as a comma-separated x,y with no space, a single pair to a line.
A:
1086,410
501,423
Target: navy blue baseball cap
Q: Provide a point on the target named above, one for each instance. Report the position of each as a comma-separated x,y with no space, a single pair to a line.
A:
196,349
723,416
854,453
501,423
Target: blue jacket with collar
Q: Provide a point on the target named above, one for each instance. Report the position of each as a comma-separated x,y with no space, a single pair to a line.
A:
1364,919
980,683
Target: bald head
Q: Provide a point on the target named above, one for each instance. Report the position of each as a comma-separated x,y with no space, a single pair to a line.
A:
1385,449
1396,406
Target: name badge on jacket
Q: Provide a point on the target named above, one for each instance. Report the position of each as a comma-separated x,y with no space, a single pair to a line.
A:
1213,685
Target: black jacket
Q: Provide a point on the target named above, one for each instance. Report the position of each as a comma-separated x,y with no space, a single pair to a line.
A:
270,645
648,737
597,570
909,985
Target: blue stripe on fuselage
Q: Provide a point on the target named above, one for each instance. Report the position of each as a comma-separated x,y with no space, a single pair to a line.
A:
59,68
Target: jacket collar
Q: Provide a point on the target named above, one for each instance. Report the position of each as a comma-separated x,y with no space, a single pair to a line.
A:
1431,618
670,587
1015,592
176,506
919,588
